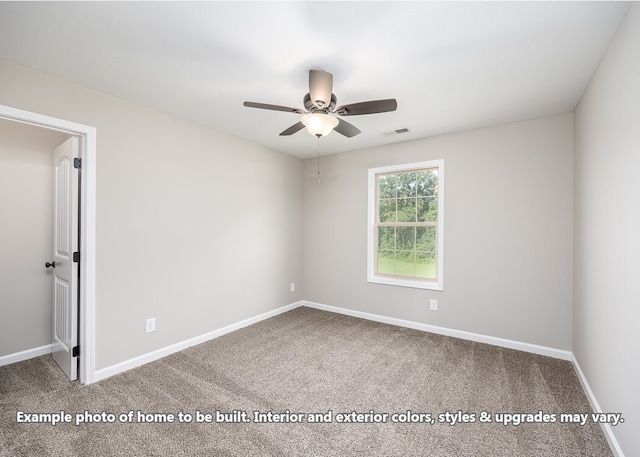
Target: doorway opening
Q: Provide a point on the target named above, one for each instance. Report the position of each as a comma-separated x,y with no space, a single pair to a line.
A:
87,227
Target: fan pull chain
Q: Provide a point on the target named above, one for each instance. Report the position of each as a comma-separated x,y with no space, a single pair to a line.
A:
318,173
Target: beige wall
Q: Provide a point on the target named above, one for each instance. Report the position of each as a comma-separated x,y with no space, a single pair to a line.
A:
194,228
508,232
26,213
606,339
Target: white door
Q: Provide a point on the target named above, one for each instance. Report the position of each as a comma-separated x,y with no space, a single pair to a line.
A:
65,244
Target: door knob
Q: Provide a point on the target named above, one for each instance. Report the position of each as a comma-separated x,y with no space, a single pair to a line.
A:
52,264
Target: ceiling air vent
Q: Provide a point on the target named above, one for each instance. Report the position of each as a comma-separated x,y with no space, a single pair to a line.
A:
395,132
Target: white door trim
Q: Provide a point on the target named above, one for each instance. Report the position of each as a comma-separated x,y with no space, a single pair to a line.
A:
87,136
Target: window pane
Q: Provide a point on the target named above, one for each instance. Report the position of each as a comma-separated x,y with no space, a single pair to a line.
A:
386,262
426,240
387,186
427,183
406,210
387,238
428,209
425,266
406,185
405,238
387,210
405,263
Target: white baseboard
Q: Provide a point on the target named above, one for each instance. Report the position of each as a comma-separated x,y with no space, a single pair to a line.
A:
606,428
26,355
168,350
163,352
494,341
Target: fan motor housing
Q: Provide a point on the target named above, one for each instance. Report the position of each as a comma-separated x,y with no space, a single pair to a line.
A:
311,107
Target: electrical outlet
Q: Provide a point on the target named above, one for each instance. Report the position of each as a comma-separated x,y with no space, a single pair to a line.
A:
150,325
292,287
433,304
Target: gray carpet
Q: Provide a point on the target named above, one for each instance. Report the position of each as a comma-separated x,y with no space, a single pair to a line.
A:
308,361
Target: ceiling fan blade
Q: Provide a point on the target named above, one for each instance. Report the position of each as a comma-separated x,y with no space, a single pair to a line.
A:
372,107
320,87
346,129
273,107
293,129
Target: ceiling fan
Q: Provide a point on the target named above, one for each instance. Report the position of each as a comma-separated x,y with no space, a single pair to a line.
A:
320,104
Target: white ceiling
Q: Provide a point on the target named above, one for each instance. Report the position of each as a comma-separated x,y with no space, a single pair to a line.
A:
452,66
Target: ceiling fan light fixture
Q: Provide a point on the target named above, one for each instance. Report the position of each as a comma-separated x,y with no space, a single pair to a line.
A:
319,124
319,114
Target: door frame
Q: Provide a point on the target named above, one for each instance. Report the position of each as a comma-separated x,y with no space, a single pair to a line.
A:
87,230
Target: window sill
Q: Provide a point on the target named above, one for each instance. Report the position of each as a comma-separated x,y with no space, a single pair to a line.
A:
405,283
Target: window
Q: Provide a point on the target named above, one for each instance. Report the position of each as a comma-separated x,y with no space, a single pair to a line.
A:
405,241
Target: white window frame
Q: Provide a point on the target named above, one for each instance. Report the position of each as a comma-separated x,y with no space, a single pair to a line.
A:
372,277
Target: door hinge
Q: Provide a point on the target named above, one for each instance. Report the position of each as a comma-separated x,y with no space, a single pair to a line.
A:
75,352
76,257
77,162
